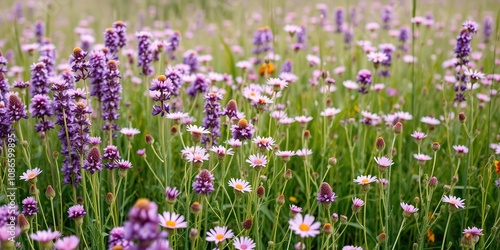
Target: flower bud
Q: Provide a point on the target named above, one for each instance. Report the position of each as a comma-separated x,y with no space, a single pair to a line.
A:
335,217
261,191
50,192
435,146
110,198
332,161
381,238
247,224
280,200
193,233
433,181
327,228
288,174
461,117
23,223
398,128
380,144
149,139
196,207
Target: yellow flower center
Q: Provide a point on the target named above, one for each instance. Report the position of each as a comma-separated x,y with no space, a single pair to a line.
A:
238,187
31,175
170,223
304,227
453,202
365,181
258,162
219,237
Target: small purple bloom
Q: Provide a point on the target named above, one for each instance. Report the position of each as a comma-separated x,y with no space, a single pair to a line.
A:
30,207
76,212
204,183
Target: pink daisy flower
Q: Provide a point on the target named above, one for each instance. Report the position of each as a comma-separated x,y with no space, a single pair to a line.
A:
244,243
304,152
172,220
304,226
219,234
30,174
303,119
264,142
330,112
257,160
454,201
365,180
240,185
418,135
67,243
408,209
45,236
430,120
461,149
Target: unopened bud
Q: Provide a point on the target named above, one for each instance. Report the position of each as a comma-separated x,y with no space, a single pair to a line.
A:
327,228
335,217
110,198
23,223
261,191
50,192
247,224
196,207
149,139
398,128
435,146
380,144
461,117
288,174
280,200
332,161
193,233
381,238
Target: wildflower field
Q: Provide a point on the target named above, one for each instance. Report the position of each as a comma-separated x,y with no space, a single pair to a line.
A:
193,124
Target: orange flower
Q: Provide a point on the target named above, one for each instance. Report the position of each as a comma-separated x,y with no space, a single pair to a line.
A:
497,166
266,69
430,236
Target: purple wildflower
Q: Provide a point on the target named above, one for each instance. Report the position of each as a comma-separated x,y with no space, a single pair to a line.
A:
142,226
30,207
162,87
386,17
326,194
5,122
364,78
48,56
4,86
145,55
204,183
212,117
39,79
93,162
117,238
41,107
462,51
199,85
175,76
112,155
190,58
348,35
487,30
76,212
16,108
173,43
242,131
111,41
339,20
39,31
3,63
172,194
121,32
287,66
98,73
79,64
301,39
262,40
111,95
404,34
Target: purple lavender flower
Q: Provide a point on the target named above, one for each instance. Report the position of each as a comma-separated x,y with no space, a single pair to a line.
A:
111,41
164,87
76,212
145,55
287,66
404,34
5,123
262,40
339,20
98,73
212,117
326,194
6,212
142,226
488,28
93,162
79,64
301,39
16,108
204,183
199,85
364,78
386,16
387,49
190,58
4,86
3,63
242,131
86,42
352,18
348,34
30,207
173,43
121,32
462,51
117,238
175,77
39,31
69,79
48,56
111,154
41,107
39,79
111,97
